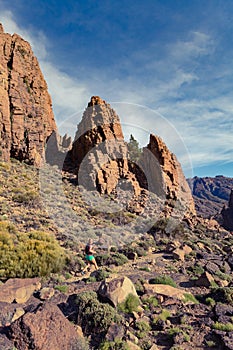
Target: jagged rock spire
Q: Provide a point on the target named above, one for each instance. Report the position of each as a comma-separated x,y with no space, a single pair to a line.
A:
26,116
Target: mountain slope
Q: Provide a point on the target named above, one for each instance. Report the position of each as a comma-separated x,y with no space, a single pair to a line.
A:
210,194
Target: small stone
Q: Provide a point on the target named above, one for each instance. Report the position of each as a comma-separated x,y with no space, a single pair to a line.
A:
18,313
132,337
154,347
178,254
132,346
46,293
205,280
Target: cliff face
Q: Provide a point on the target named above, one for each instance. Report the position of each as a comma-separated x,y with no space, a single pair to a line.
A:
166,174
26,116
227,214
99,151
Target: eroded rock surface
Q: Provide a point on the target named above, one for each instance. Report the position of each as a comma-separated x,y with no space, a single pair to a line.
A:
26,116
99,152
227,214
45,329
162,165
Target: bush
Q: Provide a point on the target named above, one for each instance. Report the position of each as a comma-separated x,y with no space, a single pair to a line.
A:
197,270
130,304
163,316
114,345
174,331
222,295
190,298
62,288
210,301
225,327
151,301
163,280
28,254
143,326
117,259
93,316
27,197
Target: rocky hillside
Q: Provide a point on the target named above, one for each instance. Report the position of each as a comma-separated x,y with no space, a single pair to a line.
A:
164,279
26,116
210,194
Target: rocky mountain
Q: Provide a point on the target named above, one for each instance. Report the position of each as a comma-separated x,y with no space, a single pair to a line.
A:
26,116
162,290
102,160
210,194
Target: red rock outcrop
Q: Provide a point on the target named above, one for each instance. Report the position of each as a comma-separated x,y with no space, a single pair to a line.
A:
18,290
99,151
227,214
165,173
101,159
26,116
45,329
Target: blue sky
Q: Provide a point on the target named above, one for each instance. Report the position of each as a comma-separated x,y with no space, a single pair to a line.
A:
172,57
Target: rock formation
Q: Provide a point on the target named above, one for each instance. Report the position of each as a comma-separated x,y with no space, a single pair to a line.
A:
99,151
165,173
26,116
101,158
227,214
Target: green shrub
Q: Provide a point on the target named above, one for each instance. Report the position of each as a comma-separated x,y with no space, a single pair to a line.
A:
151,301
62,288
101,275
93,316
210,301
28,254
223,276
226,327
210,343
163,280
145,268
176,330
197,270
114,345
222,295
190,298
163,316
143,326
26,197
117,259
130,304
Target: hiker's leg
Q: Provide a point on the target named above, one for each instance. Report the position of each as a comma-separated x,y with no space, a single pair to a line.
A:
95,263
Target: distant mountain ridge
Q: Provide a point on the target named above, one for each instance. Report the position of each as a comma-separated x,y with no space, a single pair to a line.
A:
210,194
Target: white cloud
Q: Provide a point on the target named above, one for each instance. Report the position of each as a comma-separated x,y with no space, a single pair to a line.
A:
202,119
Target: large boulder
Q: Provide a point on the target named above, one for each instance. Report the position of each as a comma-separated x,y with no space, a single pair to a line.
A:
117,290
165,290
45,329
18,290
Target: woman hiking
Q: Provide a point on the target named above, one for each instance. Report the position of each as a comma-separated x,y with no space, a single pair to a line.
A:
89,251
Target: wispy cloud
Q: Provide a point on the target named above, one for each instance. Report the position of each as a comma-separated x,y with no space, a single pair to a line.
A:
176,83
